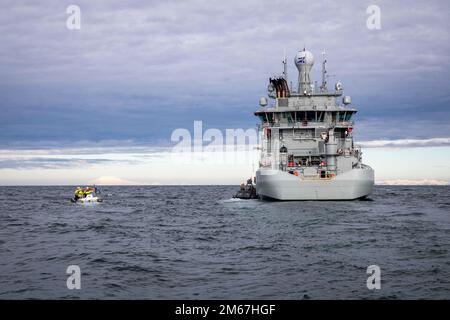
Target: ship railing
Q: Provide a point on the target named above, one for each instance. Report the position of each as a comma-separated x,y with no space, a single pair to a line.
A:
318,135
302,124
345,123
366,167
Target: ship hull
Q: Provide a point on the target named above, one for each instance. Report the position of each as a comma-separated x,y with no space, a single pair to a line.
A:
280,185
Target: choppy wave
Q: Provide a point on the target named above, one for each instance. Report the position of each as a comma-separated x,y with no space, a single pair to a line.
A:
174,242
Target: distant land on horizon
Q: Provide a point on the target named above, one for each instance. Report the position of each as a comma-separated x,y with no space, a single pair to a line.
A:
399,182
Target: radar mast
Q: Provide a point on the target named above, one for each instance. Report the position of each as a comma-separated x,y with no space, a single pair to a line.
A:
323,87
285,76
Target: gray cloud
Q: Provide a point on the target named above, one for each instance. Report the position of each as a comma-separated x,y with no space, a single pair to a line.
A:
401,143
138,69
49,163
107,153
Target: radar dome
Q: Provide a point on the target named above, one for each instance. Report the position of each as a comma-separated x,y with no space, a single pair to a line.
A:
304,57
304,61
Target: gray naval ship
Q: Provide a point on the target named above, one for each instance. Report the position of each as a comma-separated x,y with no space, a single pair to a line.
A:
306,140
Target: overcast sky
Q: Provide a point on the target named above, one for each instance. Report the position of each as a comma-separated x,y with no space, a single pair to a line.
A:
137,70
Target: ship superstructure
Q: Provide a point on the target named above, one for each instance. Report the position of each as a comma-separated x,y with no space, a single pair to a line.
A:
307,149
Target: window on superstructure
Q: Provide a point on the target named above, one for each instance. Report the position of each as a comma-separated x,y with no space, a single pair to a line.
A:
291,117
311,115
348,116
320,116
301,116
341,116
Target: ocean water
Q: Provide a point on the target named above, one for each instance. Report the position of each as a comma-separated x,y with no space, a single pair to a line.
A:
195,242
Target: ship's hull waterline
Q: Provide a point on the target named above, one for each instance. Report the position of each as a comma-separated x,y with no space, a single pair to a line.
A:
280,185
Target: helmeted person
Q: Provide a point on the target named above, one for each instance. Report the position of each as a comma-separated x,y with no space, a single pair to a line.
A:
78,193
87,191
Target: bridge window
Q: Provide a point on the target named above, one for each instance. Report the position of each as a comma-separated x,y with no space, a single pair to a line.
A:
320,116
348,116
344,116
305,115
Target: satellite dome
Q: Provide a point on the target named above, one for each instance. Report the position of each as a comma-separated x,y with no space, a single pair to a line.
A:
263,101
304,57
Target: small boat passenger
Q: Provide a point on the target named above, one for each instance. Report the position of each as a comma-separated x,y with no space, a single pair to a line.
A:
78,193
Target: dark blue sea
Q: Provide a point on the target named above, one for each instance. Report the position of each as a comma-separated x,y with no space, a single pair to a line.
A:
195,242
